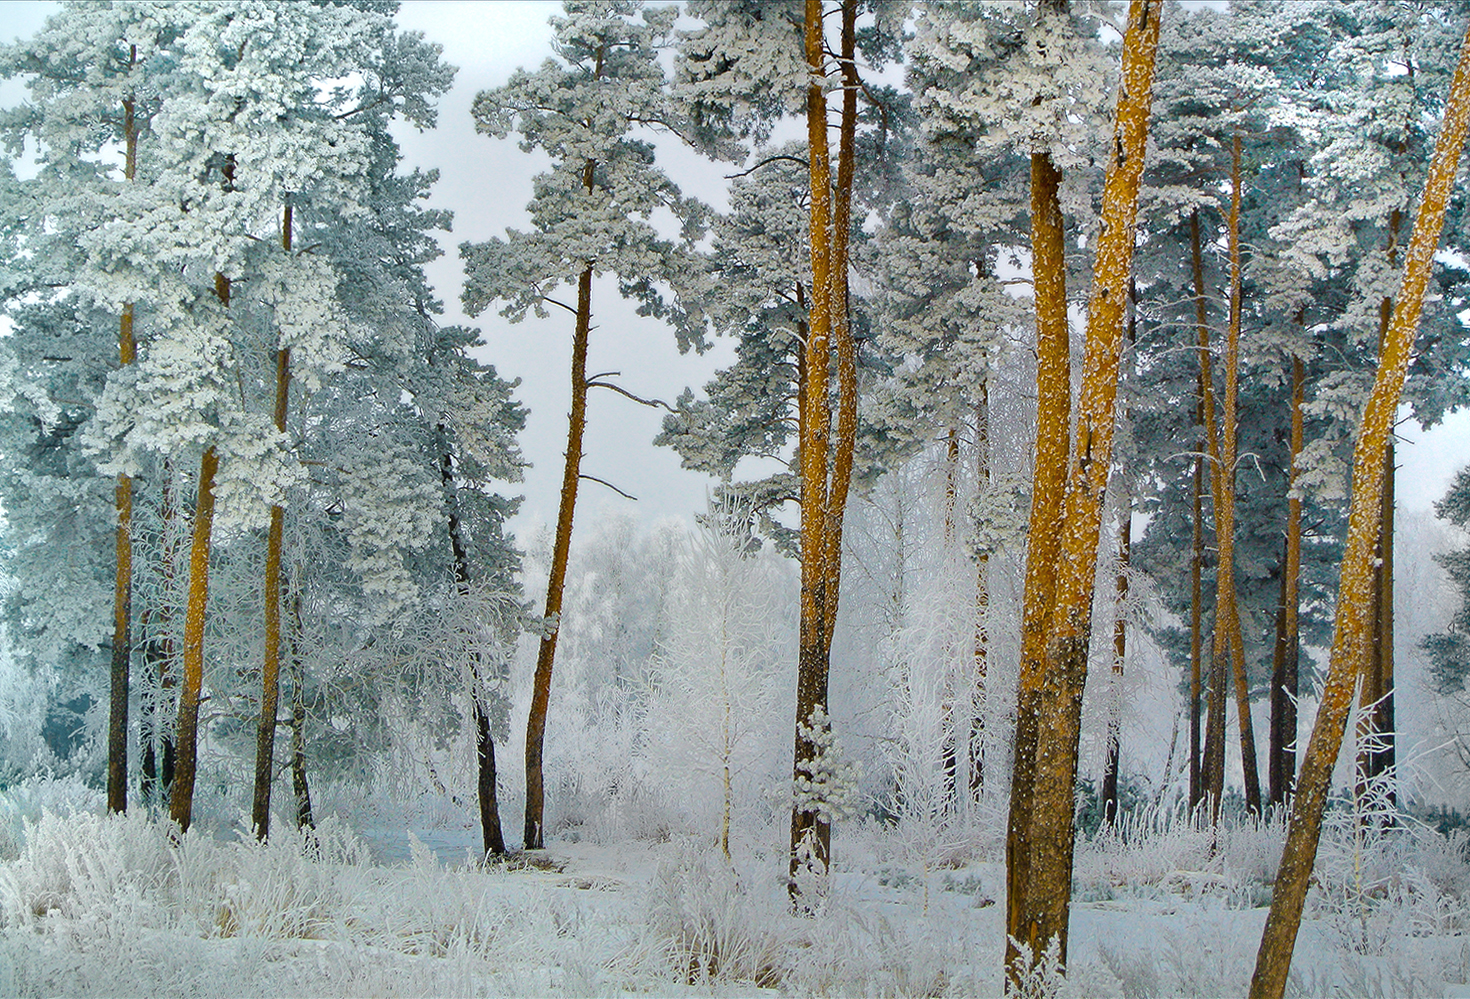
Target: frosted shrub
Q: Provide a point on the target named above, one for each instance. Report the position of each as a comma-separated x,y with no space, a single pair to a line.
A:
1379,884
706,929
293,886
1164,848
28,799
85,866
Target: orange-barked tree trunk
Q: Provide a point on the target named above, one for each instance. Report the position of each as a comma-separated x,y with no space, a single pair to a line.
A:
181,797
1355,630
1045,894
826,451
1043,545
1227,603
533,832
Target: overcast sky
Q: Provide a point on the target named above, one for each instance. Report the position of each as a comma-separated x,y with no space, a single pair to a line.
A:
487,183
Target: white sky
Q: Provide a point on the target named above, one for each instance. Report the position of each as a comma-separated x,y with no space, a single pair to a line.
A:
487,183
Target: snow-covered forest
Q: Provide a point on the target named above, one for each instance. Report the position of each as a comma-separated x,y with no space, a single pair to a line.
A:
1055,624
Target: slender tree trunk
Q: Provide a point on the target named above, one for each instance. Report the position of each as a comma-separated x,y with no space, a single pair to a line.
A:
301,790
181,798
492,841
982,606
1049,839
1196,610
1043,544
1355,632
1376,729
824,489
949,749
1109,795
122,597
541,688
265,735
1288,650
1228,602
1214,762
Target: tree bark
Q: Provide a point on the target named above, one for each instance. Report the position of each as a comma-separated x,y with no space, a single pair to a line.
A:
1196,610
533,832
1227,603
122,597
1049,839
299,786
1284,682
1043,544
825,463
1355,631
492,841
1376,729
1214,761
181,798
1109,796
270,689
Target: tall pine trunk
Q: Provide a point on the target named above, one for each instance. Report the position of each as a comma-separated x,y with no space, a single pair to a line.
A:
982,606
1048,840
301,790
1109,795
270,673
1196,613
1112,754
533,831
181,798
1284,672
826,451
1377,729
1355,631
1043,545
122,597
1227,615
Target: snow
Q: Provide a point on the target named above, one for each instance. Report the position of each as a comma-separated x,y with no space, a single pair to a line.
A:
110,905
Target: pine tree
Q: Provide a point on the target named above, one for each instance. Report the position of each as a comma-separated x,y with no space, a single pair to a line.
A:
591,215
1041,882
1356,630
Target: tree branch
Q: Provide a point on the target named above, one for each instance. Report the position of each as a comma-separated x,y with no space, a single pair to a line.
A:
584,475
766,162
651,403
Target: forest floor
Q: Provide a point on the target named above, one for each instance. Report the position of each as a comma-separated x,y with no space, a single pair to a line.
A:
94,906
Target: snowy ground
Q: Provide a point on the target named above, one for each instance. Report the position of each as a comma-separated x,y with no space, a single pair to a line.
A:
97,906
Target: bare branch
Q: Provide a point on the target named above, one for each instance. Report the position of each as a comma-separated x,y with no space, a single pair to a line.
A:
766,162
651,403
584,475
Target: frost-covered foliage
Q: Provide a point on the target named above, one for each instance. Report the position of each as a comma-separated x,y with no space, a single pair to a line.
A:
596,207
224,178
93,905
